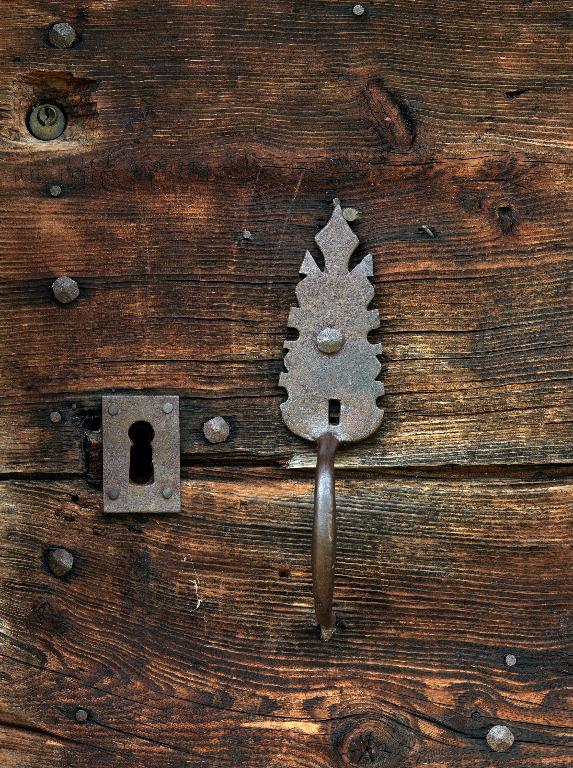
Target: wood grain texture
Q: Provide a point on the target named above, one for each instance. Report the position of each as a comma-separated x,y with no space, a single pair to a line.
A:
297,82
191,638
476,323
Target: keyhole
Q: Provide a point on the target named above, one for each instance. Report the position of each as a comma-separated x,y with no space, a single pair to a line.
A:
334,412
141,435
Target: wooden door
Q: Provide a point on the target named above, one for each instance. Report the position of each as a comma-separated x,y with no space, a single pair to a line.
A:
205,141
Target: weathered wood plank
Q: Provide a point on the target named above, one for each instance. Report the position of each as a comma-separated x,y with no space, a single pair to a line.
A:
203,622
296,83
476,331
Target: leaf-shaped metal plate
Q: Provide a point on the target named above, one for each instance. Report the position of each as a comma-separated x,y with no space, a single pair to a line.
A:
332,315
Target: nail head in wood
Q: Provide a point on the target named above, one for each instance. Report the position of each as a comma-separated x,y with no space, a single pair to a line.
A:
359,10
350,214
216,430
56,417
65,289
60,561
510,660
81,715
62,35
55,190
500,738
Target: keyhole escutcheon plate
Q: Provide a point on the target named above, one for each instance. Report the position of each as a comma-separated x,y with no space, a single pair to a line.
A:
141,454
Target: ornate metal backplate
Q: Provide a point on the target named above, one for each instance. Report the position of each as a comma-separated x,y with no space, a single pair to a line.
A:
141,454
332,364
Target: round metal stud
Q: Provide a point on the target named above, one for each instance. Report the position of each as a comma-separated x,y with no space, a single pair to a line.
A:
56,417
65,289
216,430
60,561
247,234
113,493
350,214
62,35
113,409
359,10
500,738
167,493
81,715
167,408
330,340
55,190
46,122
510,660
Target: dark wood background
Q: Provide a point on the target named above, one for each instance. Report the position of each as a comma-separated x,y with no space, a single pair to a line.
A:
190,639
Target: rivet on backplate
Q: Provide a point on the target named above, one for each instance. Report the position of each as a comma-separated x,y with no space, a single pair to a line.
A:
330,340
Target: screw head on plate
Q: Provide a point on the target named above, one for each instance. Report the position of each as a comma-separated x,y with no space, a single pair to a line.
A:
60,561
65,289
46,122
62,35
216,430
167,493
113,493
500,738
167,408
330,340
113,409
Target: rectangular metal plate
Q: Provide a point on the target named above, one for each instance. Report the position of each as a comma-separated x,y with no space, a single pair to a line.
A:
157,488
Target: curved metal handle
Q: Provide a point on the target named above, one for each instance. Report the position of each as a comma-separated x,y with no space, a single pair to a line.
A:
324,535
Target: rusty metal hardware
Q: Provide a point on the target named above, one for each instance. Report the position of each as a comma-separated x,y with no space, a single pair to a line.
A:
331,381
141,454
46,122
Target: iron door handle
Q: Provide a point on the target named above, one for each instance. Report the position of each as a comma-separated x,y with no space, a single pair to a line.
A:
324,535
331,381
